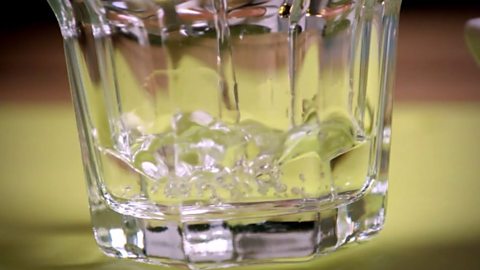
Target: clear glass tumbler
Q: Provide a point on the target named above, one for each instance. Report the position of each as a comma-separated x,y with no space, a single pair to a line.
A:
231,132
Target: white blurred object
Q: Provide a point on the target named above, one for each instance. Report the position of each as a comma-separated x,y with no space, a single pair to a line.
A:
472,35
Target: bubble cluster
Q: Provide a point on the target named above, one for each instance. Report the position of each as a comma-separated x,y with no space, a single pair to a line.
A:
204,158
199,158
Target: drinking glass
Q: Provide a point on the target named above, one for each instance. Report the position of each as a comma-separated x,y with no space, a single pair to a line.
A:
217,133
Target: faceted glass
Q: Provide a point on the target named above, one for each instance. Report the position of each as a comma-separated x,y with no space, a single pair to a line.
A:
230,132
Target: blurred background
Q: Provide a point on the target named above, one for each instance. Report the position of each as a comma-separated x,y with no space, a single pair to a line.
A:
433,61
434,204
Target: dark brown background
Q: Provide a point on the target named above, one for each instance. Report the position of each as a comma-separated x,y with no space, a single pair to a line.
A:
433,61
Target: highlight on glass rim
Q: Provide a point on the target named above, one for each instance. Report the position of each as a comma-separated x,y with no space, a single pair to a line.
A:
218,133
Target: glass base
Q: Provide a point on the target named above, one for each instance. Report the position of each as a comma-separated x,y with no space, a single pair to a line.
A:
295,233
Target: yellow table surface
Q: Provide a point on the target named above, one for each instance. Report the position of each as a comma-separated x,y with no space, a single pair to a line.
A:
433,217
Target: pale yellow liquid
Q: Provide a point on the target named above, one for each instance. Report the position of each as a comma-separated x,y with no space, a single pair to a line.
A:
246,115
